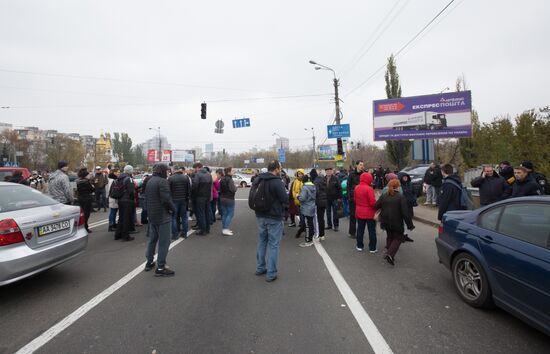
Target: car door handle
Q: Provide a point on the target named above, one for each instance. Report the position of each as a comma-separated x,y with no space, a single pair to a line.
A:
487,238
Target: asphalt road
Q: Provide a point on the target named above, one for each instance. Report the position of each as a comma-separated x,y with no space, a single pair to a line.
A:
215,303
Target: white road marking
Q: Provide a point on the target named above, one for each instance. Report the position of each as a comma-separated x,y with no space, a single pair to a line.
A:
373,335
59,327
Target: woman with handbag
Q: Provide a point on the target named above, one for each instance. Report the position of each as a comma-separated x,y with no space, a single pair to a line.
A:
394,211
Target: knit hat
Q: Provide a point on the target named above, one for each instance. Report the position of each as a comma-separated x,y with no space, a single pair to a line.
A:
313,174
391,176
128,169
62,164
528,165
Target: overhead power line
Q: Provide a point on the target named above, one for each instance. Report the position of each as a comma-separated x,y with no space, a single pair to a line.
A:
362,52
401,49
147,82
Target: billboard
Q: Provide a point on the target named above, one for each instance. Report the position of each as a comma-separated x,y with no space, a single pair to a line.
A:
182,156
444,115
166,155
152,155
328,153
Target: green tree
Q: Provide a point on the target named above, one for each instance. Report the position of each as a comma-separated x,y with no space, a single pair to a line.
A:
397,150
122,146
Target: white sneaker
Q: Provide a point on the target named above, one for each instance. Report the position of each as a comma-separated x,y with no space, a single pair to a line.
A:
373,252
359,249
322,238
227,232
306,244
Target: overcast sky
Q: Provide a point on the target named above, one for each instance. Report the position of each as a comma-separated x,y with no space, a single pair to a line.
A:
104,66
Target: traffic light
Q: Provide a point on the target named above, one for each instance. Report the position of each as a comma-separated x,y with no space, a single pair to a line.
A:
340,146
203,110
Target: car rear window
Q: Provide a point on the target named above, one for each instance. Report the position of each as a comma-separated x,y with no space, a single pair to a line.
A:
4,174
18,197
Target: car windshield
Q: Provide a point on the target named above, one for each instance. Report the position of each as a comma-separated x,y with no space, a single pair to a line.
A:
18,197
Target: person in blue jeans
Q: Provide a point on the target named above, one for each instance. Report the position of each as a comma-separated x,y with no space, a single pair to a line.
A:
227,200
270,222
180,190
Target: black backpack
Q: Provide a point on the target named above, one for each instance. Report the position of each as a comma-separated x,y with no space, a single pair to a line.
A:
259,198
118,188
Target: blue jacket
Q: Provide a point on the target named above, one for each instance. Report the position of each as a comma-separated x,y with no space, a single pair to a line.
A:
307,198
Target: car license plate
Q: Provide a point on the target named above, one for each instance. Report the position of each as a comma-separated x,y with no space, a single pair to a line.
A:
58,226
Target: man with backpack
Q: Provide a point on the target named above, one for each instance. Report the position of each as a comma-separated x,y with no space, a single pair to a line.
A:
451,192
268,199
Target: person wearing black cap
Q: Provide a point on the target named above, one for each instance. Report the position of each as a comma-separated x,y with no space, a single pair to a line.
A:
59,186
538,177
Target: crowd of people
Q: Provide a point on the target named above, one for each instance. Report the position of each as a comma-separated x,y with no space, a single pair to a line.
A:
312,202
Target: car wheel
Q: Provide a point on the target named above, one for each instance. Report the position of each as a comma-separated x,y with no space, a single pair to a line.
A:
243,184
471,281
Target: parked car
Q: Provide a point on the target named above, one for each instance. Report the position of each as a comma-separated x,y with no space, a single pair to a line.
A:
8,171
36,232
500,254
241,181
247,171
417,177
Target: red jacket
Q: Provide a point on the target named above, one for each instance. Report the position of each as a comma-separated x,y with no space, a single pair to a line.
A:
364,198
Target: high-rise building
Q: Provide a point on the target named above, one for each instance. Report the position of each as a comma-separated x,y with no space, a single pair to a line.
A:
282,142
153,144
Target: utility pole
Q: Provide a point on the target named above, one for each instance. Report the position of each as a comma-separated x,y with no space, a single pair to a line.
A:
337,100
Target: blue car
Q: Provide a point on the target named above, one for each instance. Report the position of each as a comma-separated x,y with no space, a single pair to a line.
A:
500,255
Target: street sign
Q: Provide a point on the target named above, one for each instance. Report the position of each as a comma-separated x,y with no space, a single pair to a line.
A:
338,131
246,162
11,164
166,155
241,123
219,124
260,160
282,155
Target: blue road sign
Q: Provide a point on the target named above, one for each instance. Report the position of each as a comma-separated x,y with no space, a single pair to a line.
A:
338,131
241,123
282,155
11,164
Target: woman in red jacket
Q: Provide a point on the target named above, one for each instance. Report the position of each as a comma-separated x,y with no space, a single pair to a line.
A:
364,212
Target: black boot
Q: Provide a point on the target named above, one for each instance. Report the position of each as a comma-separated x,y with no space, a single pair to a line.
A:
300,231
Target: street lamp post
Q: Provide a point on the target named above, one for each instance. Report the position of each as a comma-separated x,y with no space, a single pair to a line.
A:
336,82
160,143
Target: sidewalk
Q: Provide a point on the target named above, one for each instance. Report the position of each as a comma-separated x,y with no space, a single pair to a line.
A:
426,214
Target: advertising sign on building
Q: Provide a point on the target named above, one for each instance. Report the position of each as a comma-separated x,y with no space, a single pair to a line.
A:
328,152
444,115
166,155
182,156
152,155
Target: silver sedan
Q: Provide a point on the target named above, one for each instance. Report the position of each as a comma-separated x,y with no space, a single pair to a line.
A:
36,232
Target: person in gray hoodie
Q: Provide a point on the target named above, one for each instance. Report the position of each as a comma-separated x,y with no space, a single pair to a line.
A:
160,209
59,186
307,199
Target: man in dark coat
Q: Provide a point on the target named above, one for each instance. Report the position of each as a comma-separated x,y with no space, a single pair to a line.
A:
334,194
492,187
126,205
541,180
202,192
180,190
433,179
525,184
449,199
160,210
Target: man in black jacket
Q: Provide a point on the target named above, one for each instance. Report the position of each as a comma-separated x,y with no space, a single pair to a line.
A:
126,205
541,180
202,192
525,184
353,181
449,199
433,179
492,187
270,223
160,210
320,201
180,190
334,193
